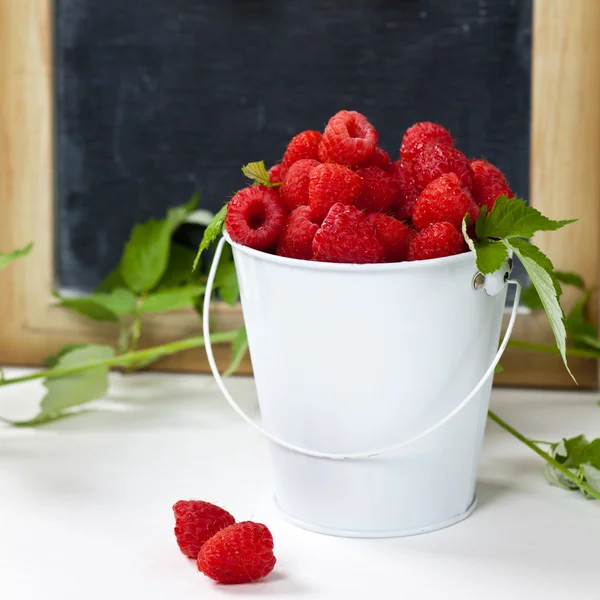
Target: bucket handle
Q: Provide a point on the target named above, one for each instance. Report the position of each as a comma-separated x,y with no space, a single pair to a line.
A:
327,455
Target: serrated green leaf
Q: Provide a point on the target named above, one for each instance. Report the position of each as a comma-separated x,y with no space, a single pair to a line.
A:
70,391
530,297
52,360
257,171
569,278
119,301
88,308
179,269
112,281
569,452
146,253
173,299
226,282
540,271
513,218
490,255
213,231
239,347
7,257
591,454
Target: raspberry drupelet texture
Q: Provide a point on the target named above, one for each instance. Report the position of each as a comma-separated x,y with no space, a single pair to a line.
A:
488,183
405,173
380,158
304,145
294,191
437,160
380,190
298,233
419,136
436,241
394,235
276,173
331,183
255,217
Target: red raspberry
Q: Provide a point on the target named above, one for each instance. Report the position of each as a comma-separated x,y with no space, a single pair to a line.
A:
298,233
443,200
238,554
196,522
406,175
255,217
347,237
294,190
435,241
276,173
394,235
419,136
380,158
329,184
437,160
349,139
380,190
303,145
488,183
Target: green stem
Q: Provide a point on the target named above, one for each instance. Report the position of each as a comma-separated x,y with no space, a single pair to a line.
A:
529,443
124,359
577,352
136,332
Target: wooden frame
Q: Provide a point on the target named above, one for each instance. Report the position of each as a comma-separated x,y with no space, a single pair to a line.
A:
565,182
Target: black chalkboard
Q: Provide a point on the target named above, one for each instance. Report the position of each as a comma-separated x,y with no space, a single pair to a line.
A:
155,98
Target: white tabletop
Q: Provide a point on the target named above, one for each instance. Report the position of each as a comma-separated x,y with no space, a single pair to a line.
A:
85,506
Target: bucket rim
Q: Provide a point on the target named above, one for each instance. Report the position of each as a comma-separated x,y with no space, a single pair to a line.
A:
414,265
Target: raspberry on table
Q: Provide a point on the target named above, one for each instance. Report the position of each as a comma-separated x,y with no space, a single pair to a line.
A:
294,191
380,158
488,183
437,160
303,145
196,522
240,553
380,190
346,236
255,217
298,233
404,171
443,200
435,241
276,173
420,135
331,183
394,235
349,139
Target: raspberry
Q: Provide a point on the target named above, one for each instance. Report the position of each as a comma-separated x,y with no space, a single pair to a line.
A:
435,241
405,174
298,233
443,200
349,139
196,522
331,183
394,235
437,160
347,237
240,553
294,190
419,136
255,217
380,158
488,183
303,145
276,173
380,190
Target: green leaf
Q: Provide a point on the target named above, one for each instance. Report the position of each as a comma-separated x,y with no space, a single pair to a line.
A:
489,254
69,391
513,218
146,254
569,452
569,278
592,476
112,281
226,281
530,297
52,360
212,232
172,299
89,308
258,172
179,269
576,322
239,347
540,271
119,301
7,257
591,454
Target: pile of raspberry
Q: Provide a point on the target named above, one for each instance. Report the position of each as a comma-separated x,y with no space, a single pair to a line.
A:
342,199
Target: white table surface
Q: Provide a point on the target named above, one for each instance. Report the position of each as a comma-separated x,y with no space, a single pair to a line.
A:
85,506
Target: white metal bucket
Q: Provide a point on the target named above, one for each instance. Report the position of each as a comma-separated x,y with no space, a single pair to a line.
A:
373,383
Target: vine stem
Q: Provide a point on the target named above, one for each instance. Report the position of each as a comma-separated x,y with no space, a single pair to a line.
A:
124,359
576,352
584,486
